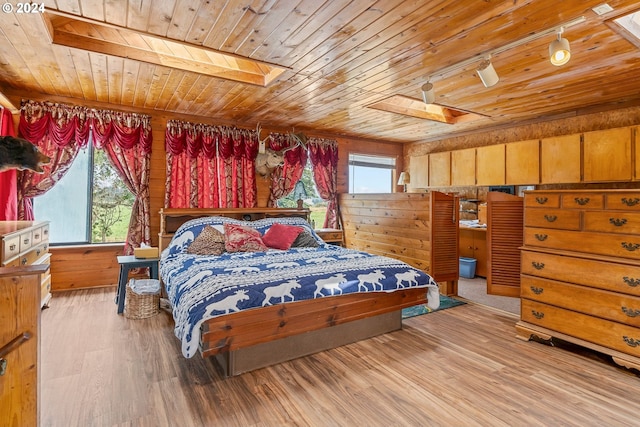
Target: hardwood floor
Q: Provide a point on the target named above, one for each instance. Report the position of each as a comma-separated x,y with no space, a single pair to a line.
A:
462,366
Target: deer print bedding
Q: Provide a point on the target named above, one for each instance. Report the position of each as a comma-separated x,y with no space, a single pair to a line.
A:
200,287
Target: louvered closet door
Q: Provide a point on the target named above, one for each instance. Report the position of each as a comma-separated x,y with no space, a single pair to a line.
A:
444,235
504,238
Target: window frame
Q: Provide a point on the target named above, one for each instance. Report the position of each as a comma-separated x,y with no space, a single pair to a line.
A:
358,162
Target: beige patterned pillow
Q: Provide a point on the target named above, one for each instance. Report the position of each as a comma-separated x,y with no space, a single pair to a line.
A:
209,242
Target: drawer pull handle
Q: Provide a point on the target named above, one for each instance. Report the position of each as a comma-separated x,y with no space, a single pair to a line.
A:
550,218
25,241
36,236
537,265
631,281
537,314
582,200
618,222
631,342
536,290
630,202
631,247
541,200
630,312
541,237
12,247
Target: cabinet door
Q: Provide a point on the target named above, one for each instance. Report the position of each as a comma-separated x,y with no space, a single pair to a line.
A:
490,165
466,243
523,162
419,170
463,167
560,159
440,169
607,155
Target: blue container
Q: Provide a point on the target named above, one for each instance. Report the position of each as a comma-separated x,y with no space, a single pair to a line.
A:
467,267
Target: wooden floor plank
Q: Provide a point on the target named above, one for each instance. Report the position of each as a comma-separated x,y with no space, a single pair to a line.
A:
461,366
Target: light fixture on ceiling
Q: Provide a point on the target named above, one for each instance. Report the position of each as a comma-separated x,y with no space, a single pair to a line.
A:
485,70
559,50
487,73
428,95
404,179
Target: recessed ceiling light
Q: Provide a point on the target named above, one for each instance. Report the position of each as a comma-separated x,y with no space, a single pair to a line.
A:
602,9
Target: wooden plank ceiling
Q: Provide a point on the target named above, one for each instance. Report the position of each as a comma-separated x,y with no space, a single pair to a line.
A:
319,65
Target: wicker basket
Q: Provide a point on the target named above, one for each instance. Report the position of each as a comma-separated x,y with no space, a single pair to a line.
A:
141,306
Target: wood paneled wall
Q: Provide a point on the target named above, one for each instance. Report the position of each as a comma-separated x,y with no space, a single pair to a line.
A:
420,229
396,225
89,266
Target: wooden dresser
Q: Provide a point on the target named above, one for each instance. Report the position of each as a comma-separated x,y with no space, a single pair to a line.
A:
20,344
27,243
580,270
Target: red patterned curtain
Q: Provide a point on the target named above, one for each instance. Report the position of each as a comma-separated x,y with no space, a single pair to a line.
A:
210,166
61,130
324,161
285,177
126,138
8,178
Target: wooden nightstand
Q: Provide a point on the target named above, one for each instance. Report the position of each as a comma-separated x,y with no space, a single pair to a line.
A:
331,235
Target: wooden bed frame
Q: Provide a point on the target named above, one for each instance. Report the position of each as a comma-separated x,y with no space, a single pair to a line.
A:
264,336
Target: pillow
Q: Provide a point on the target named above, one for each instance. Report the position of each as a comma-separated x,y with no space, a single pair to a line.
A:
281,236
209,242
238,238
305,240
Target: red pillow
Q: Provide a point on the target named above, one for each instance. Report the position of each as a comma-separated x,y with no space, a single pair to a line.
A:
281,236
238,238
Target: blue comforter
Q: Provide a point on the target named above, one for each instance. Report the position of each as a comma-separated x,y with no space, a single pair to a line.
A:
201,287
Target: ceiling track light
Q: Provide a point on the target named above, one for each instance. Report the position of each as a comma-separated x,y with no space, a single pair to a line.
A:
428,95
559,50
487,73
485,70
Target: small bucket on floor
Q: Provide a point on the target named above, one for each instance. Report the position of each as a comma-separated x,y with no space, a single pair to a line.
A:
142,298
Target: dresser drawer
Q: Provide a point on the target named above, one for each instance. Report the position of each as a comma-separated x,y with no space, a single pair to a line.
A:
595,302
625,201
36,235
582,200
26,240
618,245
612,222
10,247
30,256
553,218
614,335
614,277
542,200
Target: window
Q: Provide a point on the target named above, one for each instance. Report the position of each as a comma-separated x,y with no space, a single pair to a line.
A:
306,191
90,204
371,174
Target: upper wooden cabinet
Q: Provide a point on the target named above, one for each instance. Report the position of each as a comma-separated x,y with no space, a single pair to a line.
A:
560,159
523,162
419,171
607,155
440,169
463,167
490,165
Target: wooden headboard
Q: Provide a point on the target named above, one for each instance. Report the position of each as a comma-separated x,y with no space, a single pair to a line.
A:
172,218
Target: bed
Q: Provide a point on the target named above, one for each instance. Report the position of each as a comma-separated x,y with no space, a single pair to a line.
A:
253,308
